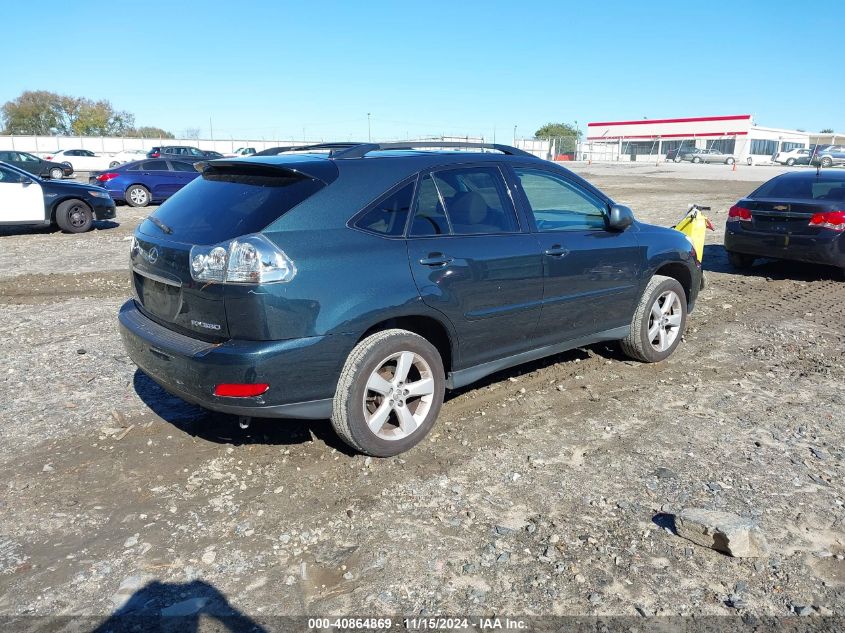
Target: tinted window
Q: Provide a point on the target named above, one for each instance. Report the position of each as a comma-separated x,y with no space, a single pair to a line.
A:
180,166
429,216
389,215
27,158
7,156
10,176
559,205
154,165
222,204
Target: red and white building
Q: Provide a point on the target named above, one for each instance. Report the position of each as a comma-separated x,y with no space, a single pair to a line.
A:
651,139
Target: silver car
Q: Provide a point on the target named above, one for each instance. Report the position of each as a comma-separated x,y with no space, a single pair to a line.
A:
709,156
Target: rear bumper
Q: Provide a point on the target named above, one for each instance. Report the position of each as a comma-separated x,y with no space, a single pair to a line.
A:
825,248
302,373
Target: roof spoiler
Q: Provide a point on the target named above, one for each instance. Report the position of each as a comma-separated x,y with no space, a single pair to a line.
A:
322,170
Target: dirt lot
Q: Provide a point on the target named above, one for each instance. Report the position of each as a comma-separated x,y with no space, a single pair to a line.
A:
542,490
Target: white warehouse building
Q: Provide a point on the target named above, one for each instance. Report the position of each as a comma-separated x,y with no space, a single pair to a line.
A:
651,139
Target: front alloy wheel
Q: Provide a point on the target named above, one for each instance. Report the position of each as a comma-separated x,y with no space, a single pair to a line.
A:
658,322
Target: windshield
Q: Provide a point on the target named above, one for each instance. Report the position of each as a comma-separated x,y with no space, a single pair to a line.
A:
222,204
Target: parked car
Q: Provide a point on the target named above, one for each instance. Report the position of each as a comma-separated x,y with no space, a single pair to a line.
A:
830,156
182,152
708,156
145,182
27,200
242,151
677,154
797,156
79,159
35,165
127,156
360,289
797,216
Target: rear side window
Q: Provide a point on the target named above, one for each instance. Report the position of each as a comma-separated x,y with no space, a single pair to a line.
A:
464,201
180,166
222,204
389,215
154,165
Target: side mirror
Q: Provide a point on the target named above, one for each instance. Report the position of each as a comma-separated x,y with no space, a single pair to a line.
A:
621,217
26,182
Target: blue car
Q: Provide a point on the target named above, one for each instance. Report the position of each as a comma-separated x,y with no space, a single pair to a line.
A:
145,182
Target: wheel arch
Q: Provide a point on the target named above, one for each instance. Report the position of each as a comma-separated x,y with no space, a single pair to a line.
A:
681,273
430,328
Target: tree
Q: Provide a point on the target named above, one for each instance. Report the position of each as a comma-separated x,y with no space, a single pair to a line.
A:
149,131
563,135
192,133
827,130
45,113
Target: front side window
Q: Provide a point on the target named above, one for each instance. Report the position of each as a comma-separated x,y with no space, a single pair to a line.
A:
466,201
559,205
389,215
9,176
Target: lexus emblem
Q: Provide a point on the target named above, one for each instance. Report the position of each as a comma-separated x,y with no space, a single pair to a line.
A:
152,255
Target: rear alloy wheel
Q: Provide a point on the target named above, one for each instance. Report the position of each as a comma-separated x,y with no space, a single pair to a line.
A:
74,216
729,161
658,321
137,196
790,162
113,164
696,159
56,173
389,393
827,161
740,261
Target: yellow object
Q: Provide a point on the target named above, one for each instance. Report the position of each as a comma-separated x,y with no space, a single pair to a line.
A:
694,225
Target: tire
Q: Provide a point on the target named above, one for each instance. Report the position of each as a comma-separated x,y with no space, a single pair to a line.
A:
790,162
56,173
696,159
137,195
74,216
740,261
663,295
827,161
677,160
750,161
729,161
375,361
113,164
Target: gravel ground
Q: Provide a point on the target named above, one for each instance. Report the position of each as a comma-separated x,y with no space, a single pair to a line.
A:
543,490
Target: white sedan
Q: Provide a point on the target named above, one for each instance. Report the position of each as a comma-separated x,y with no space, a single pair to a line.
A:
127,156
80,159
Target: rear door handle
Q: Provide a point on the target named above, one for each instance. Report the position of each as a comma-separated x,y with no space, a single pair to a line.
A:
556,251
436,259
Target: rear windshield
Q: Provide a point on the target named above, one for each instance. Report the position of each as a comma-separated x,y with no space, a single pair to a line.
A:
803,189
221,205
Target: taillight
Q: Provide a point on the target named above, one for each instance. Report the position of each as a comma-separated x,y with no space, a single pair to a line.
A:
834,220
107,177
250,259
241,390
155,155
738,213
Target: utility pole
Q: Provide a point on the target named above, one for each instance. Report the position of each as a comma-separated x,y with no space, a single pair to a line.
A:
210,129
514,135
369,129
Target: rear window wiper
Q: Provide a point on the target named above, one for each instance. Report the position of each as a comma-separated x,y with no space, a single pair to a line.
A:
165,229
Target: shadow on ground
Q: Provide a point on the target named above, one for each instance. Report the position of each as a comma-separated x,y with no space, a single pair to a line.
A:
223,429
177,607
716,260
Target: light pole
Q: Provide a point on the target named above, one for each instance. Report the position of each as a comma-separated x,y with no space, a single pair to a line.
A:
514,135
369,130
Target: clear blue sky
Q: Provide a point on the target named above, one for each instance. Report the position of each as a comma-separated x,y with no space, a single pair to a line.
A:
275,68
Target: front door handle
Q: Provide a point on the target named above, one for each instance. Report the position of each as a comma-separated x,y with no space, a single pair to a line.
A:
556,251
436,259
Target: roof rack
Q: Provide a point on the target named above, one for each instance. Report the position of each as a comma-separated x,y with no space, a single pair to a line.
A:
332,147
359,150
